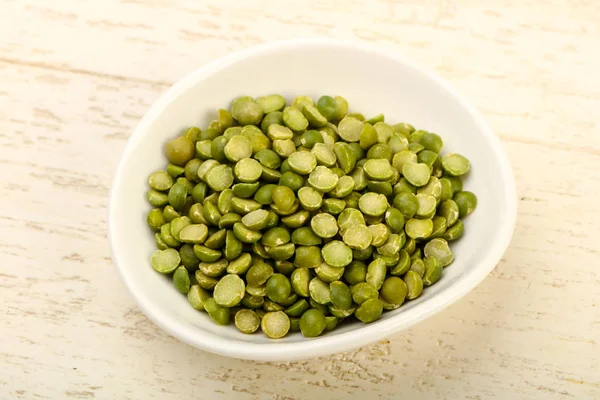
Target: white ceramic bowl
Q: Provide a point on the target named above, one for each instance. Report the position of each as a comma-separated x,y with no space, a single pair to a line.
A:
373,82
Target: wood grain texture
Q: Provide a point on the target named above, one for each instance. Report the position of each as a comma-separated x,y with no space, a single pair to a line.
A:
76,76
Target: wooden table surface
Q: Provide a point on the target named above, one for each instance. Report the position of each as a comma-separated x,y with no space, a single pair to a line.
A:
76,77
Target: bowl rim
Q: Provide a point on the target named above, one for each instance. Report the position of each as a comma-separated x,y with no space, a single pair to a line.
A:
324,345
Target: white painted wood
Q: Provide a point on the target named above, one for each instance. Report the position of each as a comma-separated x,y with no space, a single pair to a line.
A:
76,77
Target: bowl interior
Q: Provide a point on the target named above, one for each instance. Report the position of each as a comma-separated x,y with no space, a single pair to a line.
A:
373,83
